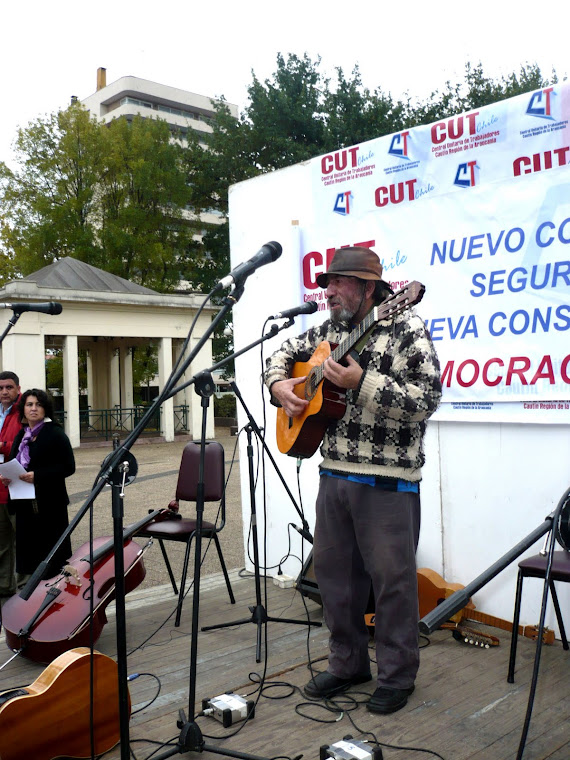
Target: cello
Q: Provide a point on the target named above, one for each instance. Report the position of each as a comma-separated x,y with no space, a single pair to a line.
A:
57,616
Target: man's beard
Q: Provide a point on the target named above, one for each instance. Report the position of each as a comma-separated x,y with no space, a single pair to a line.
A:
342,315
351,307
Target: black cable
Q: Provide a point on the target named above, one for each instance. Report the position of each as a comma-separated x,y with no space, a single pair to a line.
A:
134,676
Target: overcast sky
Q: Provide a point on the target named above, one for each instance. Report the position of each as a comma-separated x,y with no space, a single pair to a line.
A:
51,51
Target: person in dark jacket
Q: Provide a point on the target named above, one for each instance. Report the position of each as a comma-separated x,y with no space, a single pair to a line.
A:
44,450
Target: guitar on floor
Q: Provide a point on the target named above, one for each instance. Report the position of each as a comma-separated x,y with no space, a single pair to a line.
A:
433,589
301,436
52,717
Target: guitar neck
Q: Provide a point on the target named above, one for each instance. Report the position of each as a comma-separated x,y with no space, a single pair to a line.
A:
529,631
409,295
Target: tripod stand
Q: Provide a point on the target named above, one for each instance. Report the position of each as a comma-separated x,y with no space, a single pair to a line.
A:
259,614
190,739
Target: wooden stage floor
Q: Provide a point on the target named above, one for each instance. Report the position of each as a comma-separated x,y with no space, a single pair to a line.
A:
462,709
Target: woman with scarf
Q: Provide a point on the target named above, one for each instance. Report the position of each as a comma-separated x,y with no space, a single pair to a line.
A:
44,451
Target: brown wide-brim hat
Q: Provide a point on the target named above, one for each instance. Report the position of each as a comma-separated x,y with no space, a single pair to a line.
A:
353,262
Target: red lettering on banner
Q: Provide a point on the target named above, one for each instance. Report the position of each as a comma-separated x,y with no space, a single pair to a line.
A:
313,263
564,369
395,193
340,160
453,128
467,363
519,371
486,379
540,161
469,371
544,371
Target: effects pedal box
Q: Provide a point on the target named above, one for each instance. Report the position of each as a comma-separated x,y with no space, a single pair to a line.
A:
229,709
350,749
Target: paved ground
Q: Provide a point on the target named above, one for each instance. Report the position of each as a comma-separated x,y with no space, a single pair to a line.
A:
153,488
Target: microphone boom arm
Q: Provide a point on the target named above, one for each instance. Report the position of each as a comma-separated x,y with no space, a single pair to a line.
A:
433,620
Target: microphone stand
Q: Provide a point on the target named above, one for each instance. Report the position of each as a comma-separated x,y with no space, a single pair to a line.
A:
11,322
259,615
110,474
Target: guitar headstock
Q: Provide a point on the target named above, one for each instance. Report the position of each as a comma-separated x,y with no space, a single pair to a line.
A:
409,295
475,638
531,632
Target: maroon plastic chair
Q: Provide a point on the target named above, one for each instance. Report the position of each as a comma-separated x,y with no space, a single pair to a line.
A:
535,567
183,529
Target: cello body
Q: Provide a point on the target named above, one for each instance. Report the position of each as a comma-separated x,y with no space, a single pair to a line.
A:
66,621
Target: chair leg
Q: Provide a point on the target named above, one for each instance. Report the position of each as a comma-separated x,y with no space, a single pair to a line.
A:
168,567
183,582
515,631
558,615
224,569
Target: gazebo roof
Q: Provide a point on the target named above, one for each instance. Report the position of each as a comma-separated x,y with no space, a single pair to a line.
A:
70,274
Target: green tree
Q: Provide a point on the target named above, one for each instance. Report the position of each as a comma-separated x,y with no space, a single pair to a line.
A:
48,203
145,225
114,196
353,114
477,90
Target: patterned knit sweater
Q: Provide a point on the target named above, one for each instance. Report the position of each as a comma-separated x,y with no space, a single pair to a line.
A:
382,430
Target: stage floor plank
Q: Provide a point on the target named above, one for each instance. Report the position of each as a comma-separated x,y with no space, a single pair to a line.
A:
462,708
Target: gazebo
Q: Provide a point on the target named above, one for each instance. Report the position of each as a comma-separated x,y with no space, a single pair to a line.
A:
107,316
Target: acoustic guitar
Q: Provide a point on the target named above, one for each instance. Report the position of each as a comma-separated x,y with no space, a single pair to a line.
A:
52,717
433,589
301,436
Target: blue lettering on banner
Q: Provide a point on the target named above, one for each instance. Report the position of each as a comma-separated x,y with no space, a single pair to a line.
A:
475,246
509,241
553,274
522,321
462,327
397,261
518,322
363,159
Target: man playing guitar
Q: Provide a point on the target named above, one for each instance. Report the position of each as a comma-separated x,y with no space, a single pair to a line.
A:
368,506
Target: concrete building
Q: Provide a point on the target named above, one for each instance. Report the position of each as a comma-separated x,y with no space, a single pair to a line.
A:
107,316
130,96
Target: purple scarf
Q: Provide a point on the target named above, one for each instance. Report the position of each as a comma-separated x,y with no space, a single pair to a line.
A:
23,455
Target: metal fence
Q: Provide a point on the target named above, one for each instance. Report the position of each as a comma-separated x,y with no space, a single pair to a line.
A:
104,423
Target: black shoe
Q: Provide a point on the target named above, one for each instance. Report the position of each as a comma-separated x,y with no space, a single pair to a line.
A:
386,700
324,684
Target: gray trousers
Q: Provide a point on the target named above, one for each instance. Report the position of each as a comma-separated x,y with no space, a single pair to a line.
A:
363,534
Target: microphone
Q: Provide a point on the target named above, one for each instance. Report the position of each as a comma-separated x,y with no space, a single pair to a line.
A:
310,307
44,308
266,254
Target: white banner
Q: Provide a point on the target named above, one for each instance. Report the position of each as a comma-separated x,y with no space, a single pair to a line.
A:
477,208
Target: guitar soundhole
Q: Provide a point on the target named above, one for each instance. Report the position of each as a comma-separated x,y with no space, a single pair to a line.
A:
311,385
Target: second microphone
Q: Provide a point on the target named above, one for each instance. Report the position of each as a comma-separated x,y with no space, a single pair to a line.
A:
310,307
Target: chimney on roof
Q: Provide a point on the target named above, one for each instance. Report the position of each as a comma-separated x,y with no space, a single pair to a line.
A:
101,78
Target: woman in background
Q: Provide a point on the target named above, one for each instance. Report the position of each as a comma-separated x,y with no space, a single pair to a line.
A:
44,450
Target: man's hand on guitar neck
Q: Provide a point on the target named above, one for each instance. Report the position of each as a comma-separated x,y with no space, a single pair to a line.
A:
343,377
282,390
